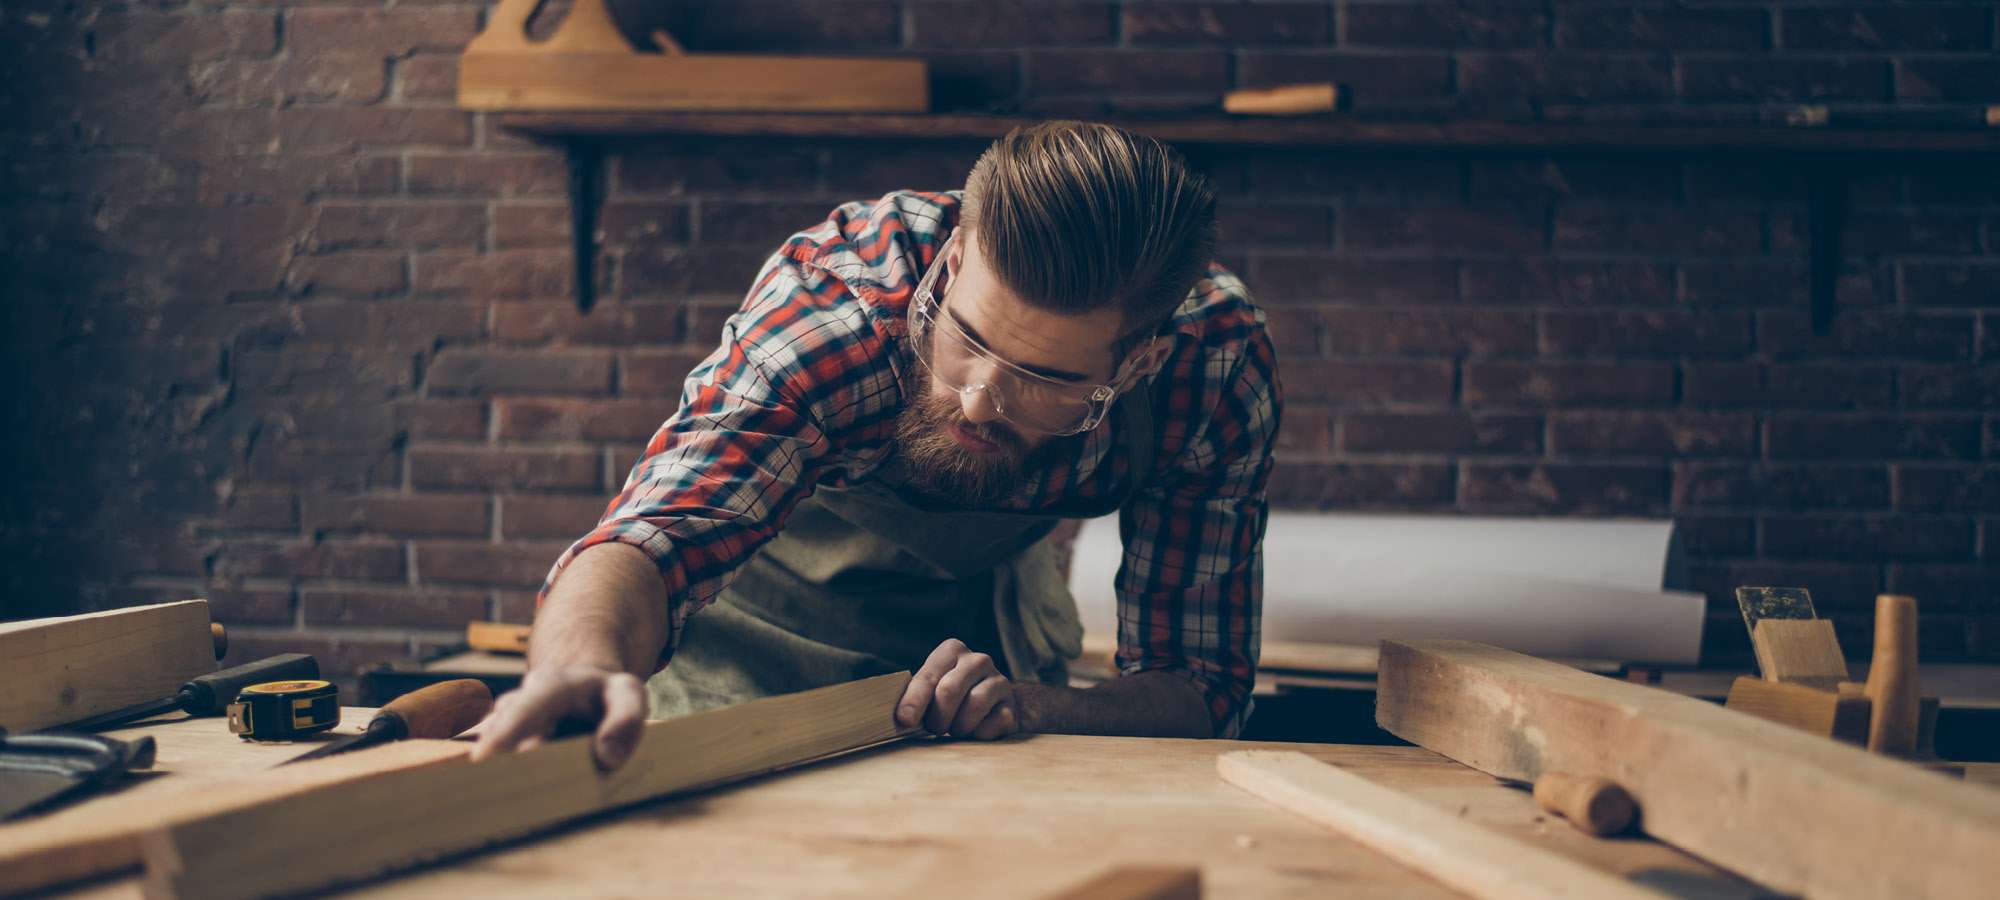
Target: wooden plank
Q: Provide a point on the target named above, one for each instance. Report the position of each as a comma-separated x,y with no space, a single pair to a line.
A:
318,838
62,669
1139,883
1802,651
1799,813
1830,714
497,637
1477,861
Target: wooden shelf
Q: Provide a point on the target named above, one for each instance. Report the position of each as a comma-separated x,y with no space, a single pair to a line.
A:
1318,131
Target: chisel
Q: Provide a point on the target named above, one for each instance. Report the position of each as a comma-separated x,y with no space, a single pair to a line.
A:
209,694
439,711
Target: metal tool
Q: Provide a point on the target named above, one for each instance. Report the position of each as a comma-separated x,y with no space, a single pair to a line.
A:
439,711
37,771
284,710
209,694
1759,603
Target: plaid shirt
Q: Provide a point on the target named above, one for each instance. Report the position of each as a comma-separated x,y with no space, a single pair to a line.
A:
802,391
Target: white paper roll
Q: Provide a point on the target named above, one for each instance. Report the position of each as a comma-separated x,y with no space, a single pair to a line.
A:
1550,587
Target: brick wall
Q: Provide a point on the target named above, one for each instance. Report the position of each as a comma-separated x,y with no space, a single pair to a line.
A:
288,330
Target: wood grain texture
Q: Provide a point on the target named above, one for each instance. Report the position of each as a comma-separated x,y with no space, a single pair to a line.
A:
1799,813
1138,883
1801,651
1475,860
62,669
1842,716
1594,805
317,838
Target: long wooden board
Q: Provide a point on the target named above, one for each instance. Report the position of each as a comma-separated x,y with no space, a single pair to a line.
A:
1799,813
1479,861
322,837
62,669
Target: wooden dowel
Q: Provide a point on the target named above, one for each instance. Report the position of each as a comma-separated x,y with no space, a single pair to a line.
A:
1594,805
1892,677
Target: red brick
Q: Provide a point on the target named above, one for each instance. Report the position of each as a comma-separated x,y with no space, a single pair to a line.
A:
1708,536
247,606
1704,231
1564,487
1297,484
327,128
1442,26
339,324
458,419
530,225
1739,78
1675,433
336,417
269,179
1854,436
1255,225
346,560
1948,588
489,175
345,78
1128,72
1888,28
294,372
1308,431
397,608
400,514
1374,80
427,77
646,373
1948,387
342,225
727,220
1320,279
1872,537
1540,281
515,606
387,32
1437,432
320,464
148,38
450,468
1568,180
766,26
1947,489
1374,383
1926,232
505,274
1502,229
674,272
531,516
1787,386
1565,77
1885,334
1627,334
1949,283
1224,23
356,274
517,565
1282,174
469,371
646,223
1662,28
856,169
1292,330
338,658
966,80
1481,332
537,419
261,509
717,165
559,322
1496,383
1009,23
1950,79
1733,485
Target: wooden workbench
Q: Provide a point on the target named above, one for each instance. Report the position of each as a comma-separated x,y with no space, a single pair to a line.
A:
1016,818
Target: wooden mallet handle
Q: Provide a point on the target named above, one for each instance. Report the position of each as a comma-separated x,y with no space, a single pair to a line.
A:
1594,805
441,710
1892,677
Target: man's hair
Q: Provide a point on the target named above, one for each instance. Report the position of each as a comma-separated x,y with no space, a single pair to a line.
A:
1076,216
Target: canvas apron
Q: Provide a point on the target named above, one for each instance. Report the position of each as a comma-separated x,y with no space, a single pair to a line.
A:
871,578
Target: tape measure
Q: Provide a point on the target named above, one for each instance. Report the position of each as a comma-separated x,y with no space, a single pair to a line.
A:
284,710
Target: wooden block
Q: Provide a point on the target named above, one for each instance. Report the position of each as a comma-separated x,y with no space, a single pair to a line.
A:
1466,857
1803,651
1895,715
496,637
314,839
1843,717
1290,100
1139,883
1797,813
62,669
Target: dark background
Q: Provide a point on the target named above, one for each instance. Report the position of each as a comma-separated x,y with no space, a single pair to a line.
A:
288,330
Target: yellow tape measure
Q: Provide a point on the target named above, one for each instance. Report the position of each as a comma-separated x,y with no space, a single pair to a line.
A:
284,710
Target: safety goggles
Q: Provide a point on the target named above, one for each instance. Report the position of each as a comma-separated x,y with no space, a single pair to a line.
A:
1034,402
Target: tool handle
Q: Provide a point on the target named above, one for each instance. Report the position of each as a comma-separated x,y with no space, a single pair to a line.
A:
1594,805
440,710
209,694
1892,677
220,638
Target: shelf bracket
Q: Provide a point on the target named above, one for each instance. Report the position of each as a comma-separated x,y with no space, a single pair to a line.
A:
1826,215
586,191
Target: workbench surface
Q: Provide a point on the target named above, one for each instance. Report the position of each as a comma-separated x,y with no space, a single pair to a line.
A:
1016,818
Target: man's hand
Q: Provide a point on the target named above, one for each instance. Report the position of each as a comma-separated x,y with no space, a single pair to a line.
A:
524,717
960,693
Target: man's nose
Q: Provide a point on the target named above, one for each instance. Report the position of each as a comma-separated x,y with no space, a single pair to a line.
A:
979,404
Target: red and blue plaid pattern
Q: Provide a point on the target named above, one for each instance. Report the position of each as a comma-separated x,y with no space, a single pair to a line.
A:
803,391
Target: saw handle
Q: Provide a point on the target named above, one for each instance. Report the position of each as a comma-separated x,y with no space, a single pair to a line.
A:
1594,805
437,711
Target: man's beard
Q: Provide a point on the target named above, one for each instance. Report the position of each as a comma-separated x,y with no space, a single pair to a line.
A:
936,464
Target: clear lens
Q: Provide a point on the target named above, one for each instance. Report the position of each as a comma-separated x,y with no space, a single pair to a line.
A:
1021,397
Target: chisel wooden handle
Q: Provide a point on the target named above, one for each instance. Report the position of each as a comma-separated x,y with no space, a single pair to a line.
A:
1892,677
1593,805
440,710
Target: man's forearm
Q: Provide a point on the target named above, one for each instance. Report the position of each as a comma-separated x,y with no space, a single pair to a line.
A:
607,609
1147,704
